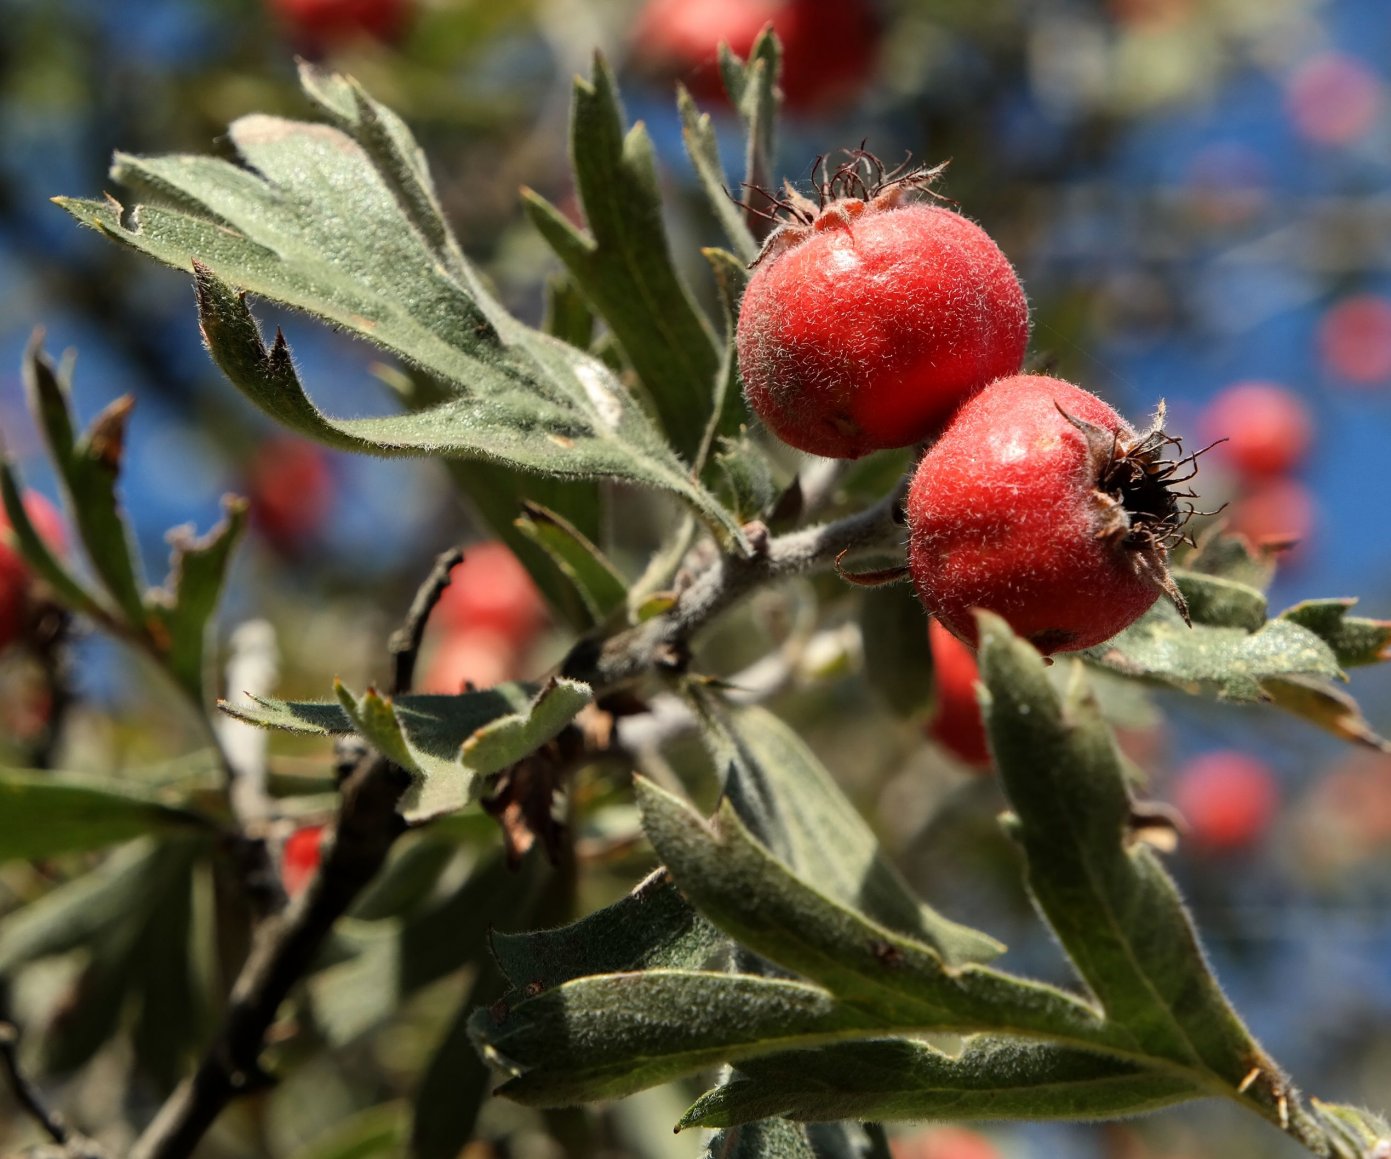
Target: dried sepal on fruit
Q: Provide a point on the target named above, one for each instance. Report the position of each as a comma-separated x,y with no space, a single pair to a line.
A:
1040,503
872,314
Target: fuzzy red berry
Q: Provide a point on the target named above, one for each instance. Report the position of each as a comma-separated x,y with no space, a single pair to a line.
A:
956,722
868,319
1228,799
16,580
300,860
1266,427
1040,503
827,49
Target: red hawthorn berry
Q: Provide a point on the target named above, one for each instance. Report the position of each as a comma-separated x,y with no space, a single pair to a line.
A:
300,860
1228,799
827,49
318,24
291,488
1040,503
868,319
491,590
16,580
956,723
1266,427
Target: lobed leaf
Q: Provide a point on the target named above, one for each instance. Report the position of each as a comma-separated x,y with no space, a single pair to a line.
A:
896,1079
1105,895
785,796
653,927
88,467
448,743
381,264
623,262
904,983
1354,640
609,1035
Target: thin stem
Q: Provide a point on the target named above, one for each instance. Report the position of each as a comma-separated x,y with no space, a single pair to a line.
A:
31,1101
664,640
404,645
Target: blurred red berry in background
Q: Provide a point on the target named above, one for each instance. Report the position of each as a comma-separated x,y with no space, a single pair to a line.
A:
469,658
320,24
1267,428
1355,340
491,589
1333,99
828,48
15,577
300,860
1229,799
291,488
956,723
1273,513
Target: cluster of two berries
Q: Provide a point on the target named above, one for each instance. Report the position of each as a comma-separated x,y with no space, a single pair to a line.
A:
873,320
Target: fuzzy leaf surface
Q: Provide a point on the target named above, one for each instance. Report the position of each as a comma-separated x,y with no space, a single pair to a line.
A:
599,585
1355,640
653,927
897,1079
902,982
1109,901
382,264
609,1035
623,263
785,796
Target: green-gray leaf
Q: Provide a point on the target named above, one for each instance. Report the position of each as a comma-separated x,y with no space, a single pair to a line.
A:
379,261
786,796
895,1079
45,814
623,262
448,743
1108,900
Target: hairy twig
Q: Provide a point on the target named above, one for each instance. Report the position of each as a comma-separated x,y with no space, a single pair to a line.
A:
663,640
404,645
32,1103
287,943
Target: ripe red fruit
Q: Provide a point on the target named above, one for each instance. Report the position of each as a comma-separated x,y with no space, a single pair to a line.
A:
491,590
956,722
300,859
291,488
869,320
1267,428
1040,503
1227,797
320,23
827,49
16,580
